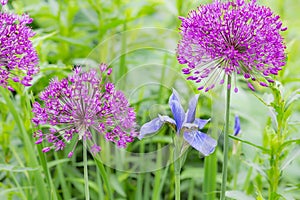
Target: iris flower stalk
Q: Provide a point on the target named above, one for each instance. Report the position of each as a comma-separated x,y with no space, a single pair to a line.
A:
187,131
222,41
83,107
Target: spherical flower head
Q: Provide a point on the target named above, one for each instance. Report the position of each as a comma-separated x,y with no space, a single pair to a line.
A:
3,2
231,38
18,58
81,107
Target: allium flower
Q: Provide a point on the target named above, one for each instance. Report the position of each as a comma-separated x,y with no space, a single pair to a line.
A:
237,125
3,2
184,123
18,58
228,39
84,103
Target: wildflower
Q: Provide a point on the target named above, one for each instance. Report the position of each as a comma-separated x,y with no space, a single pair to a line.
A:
18,58
232,38
3,2
77,106
184,123
237,125
237,130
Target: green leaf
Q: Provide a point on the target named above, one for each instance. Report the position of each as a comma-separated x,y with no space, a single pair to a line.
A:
292,98
238,195
13,168
192,173
292,156
249,143
116,185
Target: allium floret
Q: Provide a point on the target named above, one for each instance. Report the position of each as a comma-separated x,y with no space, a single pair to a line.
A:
82,107
231,38
3,2
18,58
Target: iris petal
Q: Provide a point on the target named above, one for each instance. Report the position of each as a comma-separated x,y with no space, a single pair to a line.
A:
165,118
178,113
192,109
174,96
201,122
201,142
150,127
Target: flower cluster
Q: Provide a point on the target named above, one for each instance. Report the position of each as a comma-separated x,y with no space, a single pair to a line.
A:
18,58
231,38
3,2
81,104
184,123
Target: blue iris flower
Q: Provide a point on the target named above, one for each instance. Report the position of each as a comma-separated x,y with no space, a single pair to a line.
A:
237,125
185,123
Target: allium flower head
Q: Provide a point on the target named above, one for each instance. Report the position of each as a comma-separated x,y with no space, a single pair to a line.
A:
184,123
228,39
18,58
3,2
84,103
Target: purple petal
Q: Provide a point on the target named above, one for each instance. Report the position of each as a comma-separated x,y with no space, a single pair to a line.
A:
201,122
237,125
192,109
165,118
174,97
150,127
178,113
201,142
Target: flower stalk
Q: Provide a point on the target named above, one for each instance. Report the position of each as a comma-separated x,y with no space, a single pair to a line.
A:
226,139
177,168
178,160
85,171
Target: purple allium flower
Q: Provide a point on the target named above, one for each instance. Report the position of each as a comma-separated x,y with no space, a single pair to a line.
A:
18,58
3,2
184,123
228,39
237,125
80,105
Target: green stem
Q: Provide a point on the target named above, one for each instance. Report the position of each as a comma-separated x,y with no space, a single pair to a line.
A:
177,186
177,167
274,175
226,141
210,176
85,171
106,182
157,179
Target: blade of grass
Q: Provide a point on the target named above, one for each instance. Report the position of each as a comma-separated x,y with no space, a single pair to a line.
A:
122,67
32,161
157,179
65,191
210,176
99,184
191,190
140,179
105,179
249,143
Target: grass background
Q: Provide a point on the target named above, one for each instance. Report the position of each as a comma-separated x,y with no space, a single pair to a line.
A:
138,40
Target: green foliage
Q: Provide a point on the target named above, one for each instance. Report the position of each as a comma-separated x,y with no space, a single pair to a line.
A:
264,160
